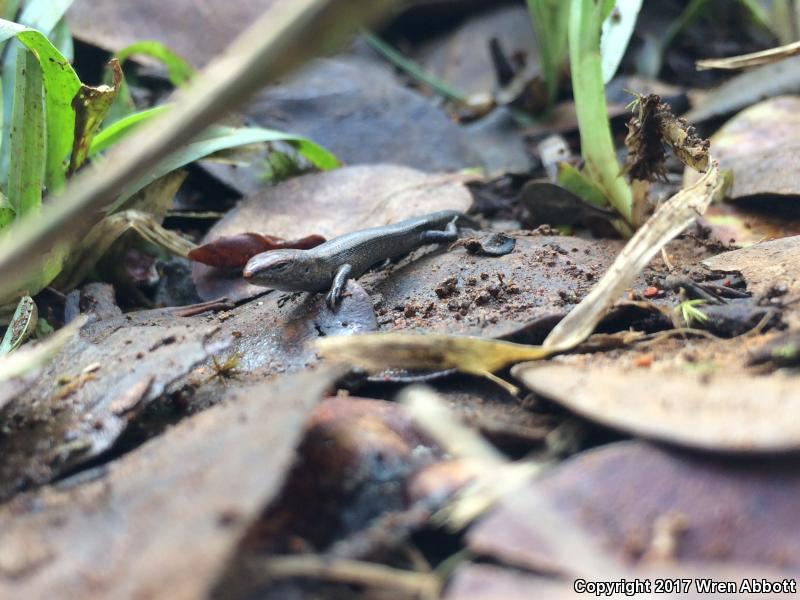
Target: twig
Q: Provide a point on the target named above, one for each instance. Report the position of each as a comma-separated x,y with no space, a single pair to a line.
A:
414,585
753,59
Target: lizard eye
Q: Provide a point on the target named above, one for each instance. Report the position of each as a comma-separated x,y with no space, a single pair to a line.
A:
278,267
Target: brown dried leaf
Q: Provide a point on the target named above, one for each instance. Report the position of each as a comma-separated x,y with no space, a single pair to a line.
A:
730,412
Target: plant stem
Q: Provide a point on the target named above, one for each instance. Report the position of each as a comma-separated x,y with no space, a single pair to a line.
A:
586,20
550,21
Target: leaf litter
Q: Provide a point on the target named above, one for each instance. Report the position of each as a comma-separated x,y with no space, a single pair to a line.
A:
141,410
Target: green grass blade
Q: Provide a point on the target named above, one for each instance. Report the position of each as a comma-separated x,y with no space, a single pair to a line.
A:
7,213
217,139
179,71
550,21
28,141
597,145
412,68
119,129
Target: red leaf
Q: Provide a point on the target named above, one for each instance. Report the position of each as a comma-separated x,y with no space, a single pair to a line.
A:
234,251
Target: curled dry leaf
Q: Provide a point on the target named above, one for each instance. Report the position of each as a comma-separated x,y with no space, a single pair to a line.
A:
235,250
472,355
651,126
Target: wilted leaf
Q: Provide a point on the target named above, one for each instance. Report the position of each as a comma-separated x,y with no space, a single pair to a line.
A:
85,255
91,105
672,217
22,325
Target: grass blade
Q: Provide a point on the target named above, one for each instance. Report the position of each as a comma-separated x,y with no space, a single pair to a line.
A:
115,132
44,15
617,31
217,139
28,150
179,71
597,144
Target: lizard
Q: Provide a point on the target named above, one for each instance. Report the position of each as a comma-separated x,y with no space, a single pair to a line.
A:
330,265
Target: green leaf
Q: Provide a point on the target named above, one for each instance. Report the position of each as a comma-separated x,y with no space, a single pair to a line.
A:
26,177
119,129
617,31
61,84
7,213
22,326
179,71
412,68
40,16
550,21
217,139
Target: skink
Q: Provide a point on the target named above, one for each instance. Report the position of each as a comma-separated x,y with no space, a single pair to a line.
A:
327,267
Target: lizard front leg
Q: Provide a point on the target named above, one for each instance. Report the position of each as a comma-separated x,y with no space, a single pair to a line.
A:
435,236
338,285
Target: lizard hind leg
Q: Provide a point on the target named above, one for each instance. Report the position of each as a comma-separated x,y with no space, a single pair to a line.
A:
337,288
435,236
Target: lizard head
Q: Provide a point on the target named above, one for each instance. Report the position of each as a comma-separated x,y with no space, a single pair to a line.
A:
284,270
